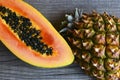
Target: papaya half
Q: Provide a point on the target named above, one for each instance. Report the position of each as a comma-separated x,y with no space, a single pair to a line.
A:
31,37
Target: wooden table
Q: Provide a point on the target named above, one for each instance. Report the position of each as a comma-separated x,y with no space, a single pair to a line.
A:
11,68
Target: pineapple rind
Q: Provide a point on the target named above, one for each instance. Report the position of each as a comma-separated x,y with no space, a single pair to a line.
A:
95,41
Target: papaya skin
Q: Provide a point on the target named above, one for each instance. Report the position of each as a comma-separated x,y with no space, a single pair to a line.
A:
62,54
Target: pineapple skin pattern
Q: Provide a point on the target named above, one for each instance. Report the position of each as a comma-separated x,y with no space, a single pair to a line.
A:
95,41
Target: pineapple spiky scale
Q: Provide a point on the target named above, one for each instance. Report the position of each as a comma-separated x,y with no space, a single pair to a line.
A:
95,40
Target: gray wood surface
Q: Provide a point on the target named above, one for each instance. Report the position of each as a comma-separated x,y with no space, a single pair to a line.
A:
11,68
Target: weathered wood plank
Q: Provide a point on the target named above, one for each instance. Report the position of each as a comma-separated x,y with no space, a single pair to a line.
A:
33,73
11,68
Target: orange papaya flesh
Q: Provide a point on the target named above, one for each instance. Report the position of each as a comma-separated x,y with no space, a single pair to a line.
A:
31,37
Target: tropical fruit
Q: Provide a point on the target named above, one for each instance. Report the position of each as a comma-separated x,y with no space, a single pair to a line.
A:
95,40
31,37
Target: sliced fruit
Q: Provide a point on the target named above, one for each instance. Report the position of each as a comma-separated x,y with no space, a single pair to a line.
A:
31,37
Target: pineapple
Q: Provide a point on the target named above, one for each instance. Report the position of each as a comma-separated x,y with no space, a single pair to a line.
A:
95,41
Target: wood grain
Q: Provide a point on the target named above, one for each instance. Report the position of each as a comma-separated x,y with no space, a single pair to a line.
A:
11,68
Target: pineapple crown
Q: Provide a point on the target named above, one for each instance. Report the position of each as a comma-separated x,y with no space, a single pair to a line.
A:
70,20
